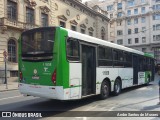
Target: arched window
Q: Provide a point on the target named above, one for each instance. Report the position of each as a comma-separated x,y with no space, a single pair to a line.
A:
102,33
12,50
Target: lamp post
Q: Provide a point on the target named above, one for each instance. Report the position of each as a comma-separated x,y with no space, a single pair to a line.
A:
159,91
5,54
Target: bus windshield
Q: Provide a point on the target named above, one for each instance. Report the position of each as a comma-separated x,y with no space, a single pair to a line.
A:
38,44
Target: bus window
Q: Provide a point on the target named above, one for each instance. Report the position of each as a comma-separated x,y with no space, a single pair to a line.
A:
115,55
127,59
105,56
118,58
73,49
120,54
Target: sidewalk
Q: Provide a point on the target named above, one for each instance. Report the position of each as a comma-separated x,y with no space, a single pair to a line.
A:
11,86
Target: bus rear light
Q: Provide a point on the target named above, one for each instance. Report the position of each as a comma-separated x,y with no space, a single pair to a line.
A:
54,77
20,75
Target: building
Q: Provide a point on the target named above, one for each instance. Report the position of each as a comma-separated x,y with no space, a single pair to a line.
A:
17,16
133,23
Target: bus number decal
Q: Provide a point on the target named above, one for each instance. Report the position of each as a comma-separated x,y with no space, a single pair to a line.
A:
105,72
47,64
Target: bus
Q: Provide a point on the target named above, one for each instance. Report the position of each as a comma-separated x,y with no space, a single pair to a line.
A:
62,64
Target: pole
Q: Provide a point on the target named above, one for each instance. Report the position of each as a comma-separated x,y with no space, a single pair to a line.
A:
6,74
159,92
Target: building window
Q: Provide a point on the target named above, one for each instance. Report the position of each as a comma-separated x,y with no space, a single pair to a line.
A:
129,22
119,32
143,29
142,1
143,39
143,19
119,23
129,31
136,40
82,31
130,41
110,7
119,6
156,16
12,50
73,27
62,24
102,33
135,11
143,10
144,49
44,18
11,10
156,7
130,3
128,12
90,33
14,73
156,27
120,41
135,20
119,14
156,37
29,15
135,30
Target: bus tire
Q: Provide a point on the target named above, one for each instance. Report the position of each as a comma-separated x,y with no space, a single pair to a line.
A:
105,90
117,87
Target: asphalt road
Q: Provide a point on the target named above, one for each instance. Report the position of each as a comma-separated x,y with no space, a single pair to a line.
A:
141,98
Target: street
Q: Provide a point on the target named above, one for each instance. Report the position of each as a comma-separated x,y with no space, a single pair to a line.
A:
140,98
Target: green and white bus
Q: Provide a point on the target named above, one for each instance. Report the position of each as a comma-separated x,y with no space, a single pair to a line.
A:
58,63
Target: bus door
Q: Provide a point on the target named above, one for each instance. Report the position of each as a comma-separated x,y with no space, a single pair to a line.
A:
135,69
88,70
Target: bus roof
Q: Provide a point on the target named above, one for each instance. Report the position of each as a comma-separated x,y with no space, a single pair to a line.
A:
90,39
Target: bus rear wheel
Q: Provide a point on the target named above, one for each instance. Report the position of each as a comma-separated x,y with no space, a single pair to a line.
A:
105,89
117,87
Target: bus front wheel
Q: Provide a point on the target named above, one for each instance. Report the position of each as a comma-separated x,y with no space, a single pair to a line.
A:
105,89
117,87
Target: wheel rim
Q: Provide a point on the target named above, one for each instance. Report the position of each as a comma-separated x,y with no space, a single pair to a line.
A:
105,90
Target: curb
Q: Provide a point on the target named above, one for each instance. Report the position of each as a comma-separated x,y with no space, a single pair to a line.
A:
8,90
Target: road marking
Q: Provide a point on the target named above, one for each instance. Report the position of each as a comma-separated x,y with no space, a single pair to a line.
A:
83,118
10,97
111,109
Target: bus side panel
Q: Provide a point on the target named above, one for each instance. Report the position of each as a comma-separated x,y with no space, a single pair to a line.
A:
126,75
75,80
141,78
147,74
62,63
103,73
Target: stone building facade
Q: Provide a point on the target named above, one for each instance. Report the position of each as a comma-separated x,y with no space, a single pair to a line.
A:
17,16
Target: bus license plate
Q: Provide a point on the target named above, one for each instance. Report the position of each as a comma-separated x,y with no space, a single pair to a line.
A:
35,77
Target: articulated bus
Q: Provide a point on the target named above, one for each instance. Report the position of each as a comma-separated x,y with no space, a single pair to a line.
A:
58,63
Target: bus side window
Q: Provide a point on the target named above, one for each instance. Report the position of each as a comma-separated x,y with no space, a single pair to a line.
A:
127,59
105,56
73,49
